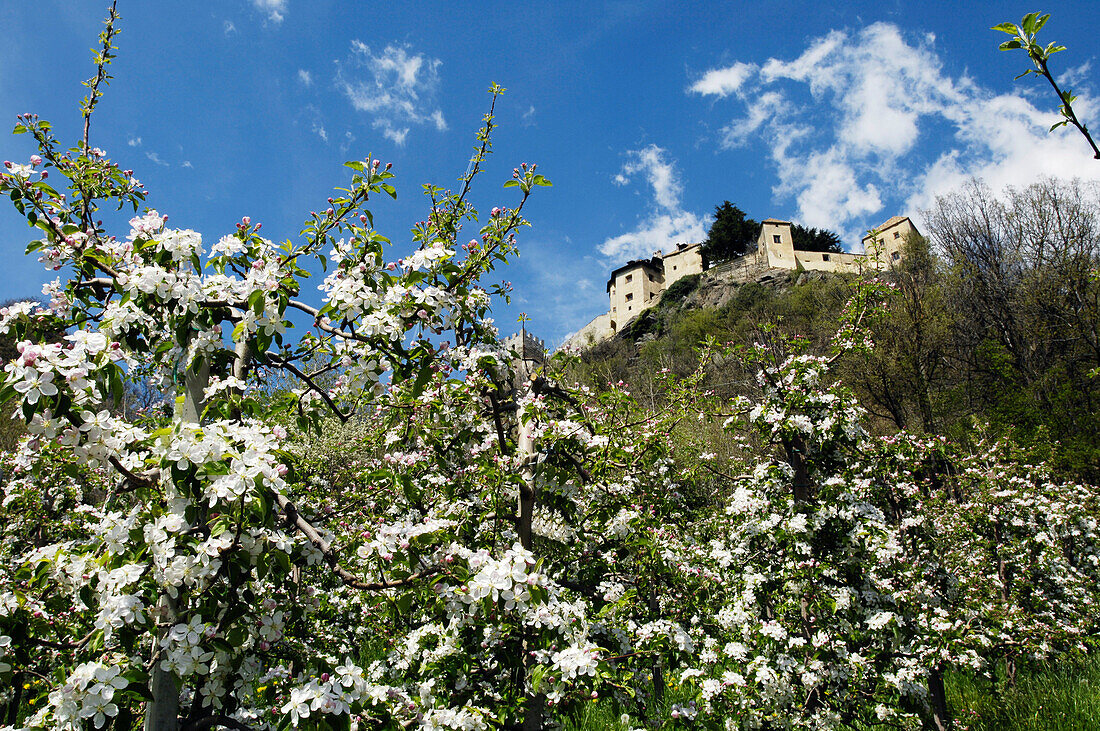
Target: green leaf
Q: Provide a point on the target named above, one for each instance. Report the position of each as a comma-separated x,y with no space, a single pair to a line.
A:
355,165
1028,23
511,184
1009,28
1041,22
87,595
422,379
537,674
409,490
1009,45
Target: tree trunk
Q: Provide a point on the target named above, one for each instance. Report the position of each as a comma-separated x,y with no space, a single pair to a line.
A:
937,700
533,702
658,661
162,712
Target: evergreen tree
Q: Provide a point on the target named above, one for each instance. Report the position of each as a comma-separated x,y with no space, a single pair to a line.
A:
812,239
730,236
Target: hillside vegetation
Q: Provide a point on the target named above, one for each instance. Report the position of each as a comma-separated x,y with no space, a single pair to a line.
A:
992,327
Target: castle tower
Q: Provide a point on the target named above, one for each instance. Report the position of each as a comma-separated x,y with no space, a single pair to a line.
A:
531,353
889,244
776,243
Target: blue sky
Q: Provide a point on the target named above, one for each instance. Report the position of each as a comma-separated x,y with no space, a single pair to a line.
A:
645,115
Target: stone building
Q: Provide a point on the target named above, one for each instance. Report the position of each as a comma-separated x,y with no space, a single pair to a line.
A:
531,352
775,248
638,285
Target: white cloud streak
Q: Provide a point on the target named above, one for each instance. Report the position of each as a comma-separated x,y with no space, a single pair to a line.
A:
275,9
395,87
725,81
667,222
861,121
305,77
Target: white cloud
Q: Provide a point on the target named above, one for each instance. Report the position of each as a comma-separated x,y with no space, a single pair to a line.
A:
156,158
659,173
864,125
319,130
437,119
768,106
666,223
725,81
229,28
1075,75
134,142
390,132
559,288
305,77
187,164
275,9
395,87
349,140
529,116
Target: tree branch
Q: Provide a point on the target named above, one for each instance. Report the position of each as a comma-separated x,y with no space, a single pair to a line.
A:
314,536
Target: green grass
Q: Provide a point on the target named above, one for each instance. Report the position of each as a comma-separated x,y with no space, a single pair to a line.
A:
1057,697
1060,697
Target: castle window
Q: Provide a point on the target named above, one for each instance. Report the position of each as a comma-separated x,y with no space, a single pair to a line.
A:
897,234
629,296
896,256
629,277
824,257
777,238
673,268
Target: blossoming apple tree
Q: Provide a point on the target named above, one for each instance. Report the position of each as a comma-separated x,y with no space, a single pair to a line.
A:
375,524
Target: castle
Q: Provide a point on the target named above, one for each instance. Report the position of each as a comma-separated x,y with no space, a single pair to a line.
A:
638,285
